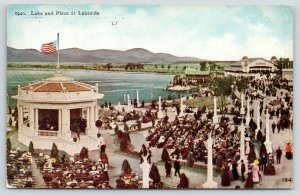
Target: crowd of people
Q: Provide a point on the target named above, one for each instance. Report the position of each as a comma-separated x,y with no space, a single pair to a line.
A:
184,138
74,172
19,169
186,135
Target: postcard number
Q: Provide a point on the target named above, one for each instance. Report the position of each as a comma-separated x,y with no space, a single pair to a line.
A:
20,13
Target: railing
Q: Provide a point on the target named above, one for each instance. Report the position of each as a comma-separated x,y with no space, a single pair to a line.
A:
48,133
59,96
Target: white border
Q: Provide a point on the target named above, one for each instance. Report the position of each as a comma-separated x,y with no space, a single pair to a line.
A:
3,3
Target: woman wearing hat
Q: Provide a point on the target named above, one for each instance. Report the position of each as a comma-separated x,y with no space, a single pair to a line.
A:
288,150
249,182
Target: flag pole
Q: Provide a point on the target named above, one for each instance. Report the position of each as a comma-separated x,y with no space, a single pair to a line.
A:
58,65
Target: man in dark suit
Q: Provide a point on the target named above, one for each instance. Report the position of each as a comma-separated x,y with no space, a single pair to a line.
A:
273,127
278,155
243,170
177,167
168,167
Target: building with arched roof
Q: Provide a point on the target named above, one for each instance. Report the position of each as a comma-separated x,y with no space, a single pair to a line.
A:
252,67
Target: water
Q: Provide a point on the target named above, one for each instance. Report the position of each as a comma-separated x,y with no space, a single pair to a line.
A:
112,84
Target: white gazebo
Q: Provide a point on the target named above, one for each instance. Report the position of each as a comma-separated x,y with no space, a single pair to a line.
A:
52,110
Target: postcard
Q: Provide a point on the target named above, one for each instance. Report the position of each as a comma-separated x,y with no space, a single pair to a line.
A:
149,96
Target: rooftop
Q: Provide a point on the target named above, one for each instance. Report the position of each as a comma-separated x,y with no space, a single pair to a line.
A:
58,83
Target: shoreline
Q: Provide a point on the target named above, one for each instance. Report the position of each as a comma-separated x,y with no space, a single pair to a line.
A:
91,69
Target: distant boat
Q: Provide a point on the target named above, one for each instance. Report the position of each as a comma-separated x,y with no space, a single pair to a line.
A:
177,88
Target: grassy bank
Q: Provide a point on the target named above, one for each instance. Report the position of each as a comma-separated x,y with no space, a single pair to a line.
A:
203,101
153,68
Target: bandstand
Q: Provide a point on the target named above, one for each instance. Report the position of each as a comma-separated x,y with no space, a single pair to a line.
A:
56,110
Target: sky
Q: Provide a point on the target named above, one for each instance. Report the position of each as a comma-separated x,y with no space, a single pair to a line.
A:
205,32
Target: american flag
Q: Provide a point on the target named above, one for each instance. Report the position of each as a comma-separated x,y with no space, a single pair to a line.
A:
48,48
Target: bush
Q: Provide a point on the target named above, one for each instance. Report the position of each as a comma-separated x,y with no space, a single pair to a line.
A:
165,155
126,168
10,121
154,174
184,181
54,151
123,145
98,123
190,160
16,125
15,114
31,149
8,144
84,153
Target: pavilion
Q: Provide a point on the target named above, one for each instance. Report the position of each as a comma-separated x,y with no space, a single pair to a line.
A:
52,110
252,67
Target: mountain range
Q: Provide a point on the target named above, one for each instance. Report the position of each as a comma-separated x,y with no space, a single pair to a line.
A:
135,55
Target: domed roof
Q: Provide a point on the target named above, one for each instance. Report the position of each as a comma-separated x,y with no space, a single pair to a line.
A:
273,58
245,58
58,83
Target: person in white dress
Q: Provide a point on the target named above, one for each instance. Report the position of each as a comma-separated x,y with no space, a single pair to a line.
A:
255,172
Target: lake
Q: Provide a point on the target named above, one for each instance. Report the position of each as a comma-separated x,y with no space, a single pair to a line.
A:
112,84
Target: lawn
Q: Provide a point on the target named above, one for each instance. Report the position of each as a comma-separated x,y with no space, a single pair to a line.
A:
204,101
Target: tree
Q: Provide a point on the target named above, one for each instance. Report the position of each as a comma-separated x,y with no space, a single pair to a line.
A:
190,160
242,84
213,66
16,125
108,66
124,144
15,114
222,88
202,66
155,66
165,155
54,151
84,153
31,149
184,181
284,63
126,168
10,121
162,66
169,67
8,144
154,174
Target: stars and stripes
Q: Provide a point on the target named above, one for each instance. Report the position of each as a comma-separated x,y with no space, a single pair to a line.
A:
49,48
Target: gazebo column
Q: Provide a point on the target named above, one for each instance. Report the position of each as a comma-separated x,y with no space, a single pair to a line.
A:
68,123
20,116
91,121
60,121
36,119
31,119
65,124
92,125
36,122
88,121
96,112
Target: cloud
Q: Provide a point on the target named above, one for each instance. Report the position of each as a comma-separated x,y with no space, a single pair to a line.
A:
207,32
222,48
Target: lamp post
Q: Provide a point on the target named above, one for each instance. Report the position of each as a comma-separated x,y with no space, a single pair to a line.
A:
268,143
210,183
215,117
242,144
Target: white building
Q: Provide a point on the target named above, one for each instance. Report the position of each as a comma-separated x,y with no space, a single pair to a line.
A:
51,111
288,75
252,67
